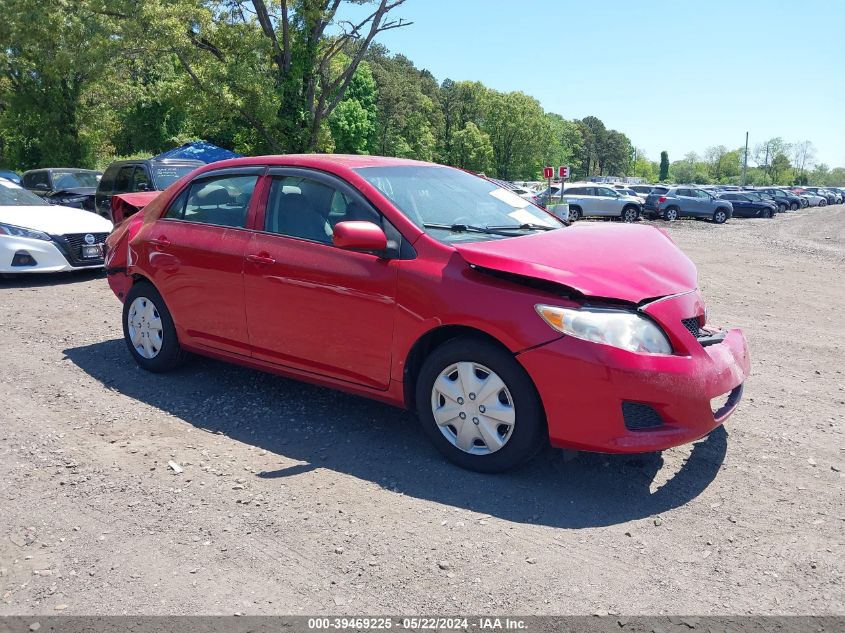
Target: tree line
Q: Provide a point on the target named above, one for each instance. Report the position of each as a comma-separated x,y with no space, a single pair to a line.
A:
85,81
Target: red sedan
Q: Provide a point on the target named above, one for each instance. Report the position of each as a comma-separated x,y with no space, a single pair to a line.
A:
430,288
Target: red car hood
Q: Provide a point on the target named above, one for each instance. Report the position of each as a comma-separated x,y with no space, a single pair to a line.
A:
612,261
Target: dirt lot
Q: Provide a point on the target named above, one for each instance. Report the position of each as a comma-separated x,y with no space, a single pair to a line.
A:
296,499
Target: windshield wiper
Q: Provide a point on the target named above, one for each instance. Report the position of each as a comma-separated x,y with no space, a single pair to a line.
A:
461,228
528,226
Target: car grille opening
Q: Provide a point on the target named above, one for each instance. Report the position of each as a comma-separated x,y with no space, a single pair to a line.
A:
71,245
640,417
23,258
693,327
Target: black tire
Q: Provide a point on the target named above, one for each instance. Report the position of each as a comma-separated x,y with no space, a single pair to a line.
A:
781,207
822,202
575,214
671,214
529,432
793,206
720,216
170,354
769,214
630,214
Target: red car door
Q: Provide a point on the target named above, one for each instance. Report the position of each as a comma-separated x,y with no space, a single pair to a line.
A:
310,305
196,258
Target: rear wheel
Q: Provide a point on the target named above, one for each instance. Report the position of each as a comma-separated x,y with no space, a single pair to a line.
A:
630,214
149,331
719,216
479,407
822,202
574,214
671,214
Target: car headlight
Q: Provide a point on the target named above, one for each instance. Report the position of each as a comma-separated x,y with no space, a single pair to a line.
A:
618,328
19,231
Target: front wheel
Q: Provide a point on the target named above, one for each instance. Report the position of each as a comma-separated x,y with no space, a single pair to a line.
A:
781,207
149,331
630,214
574,214
720,216
822,202
793,206
479,407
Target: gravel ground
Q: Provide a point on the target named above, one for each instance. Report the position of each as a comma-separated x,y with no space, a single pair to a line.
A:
297,499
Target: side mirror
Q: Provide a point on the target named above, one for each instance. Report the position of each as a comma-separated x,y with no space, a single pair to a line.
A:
359,236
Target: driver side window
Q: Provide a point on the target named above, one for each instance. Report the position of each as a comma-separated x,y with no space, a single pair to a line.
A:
309,209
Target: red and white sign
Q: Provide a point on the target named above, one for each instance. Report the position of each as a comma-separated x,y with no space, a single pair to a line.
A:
548,172
563,172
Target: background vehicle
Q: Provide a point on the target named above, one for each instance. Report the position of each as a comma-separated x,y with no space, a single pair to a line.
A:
671,203
746,205
829,196
813,199
67,187
587,199
392,265
36,236
784,199
7,174
642,191
128,176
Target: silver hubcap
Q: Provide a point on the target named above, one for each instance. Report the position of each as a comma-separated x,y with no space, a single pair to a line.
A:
671,214
473,408
145,329
630,215
720,217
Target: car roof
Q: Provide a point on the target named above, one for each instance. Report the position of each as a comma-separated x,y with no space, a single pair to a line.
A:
70,169
160,161
338,164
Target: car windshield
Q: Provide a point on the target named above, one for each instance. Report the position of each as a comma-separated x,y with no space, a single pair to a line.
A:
452,205
74,179
13,196
166,175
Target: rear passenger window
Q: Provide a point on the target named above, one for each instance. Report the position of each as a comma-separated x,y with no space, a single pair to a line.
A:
123,183
107,181
221,201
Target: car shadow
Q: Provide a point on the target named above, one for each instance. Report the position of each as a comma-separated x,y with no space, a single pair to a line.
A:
40,280
323,428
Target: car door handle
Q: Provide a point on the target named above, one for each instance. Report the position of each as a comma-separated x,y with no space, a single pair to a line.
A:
263,259
160,241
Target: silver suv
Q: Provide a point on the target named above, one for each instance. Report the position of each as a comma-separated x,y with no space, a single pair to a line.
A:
589,199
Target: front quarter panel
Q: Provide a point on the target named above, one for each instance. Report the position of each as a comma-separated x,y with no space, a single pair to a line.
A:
439,289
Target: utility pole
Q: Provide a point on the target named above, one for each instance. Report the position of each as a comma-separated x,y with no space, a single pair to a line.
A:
745,162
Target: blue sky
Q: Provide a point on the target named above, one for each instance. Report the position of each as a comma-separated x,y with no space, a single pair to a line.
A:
679,76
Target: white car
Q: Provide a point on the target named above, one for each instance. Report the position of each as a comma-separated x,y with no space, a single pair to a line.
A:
36,236
592,199
813,199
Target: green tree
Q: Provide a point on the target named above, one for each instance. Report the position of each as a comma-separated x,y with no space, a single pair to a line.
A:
48,57
272,62
563,143
518,130
664,166
593,133
353,123
642,167
471,149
